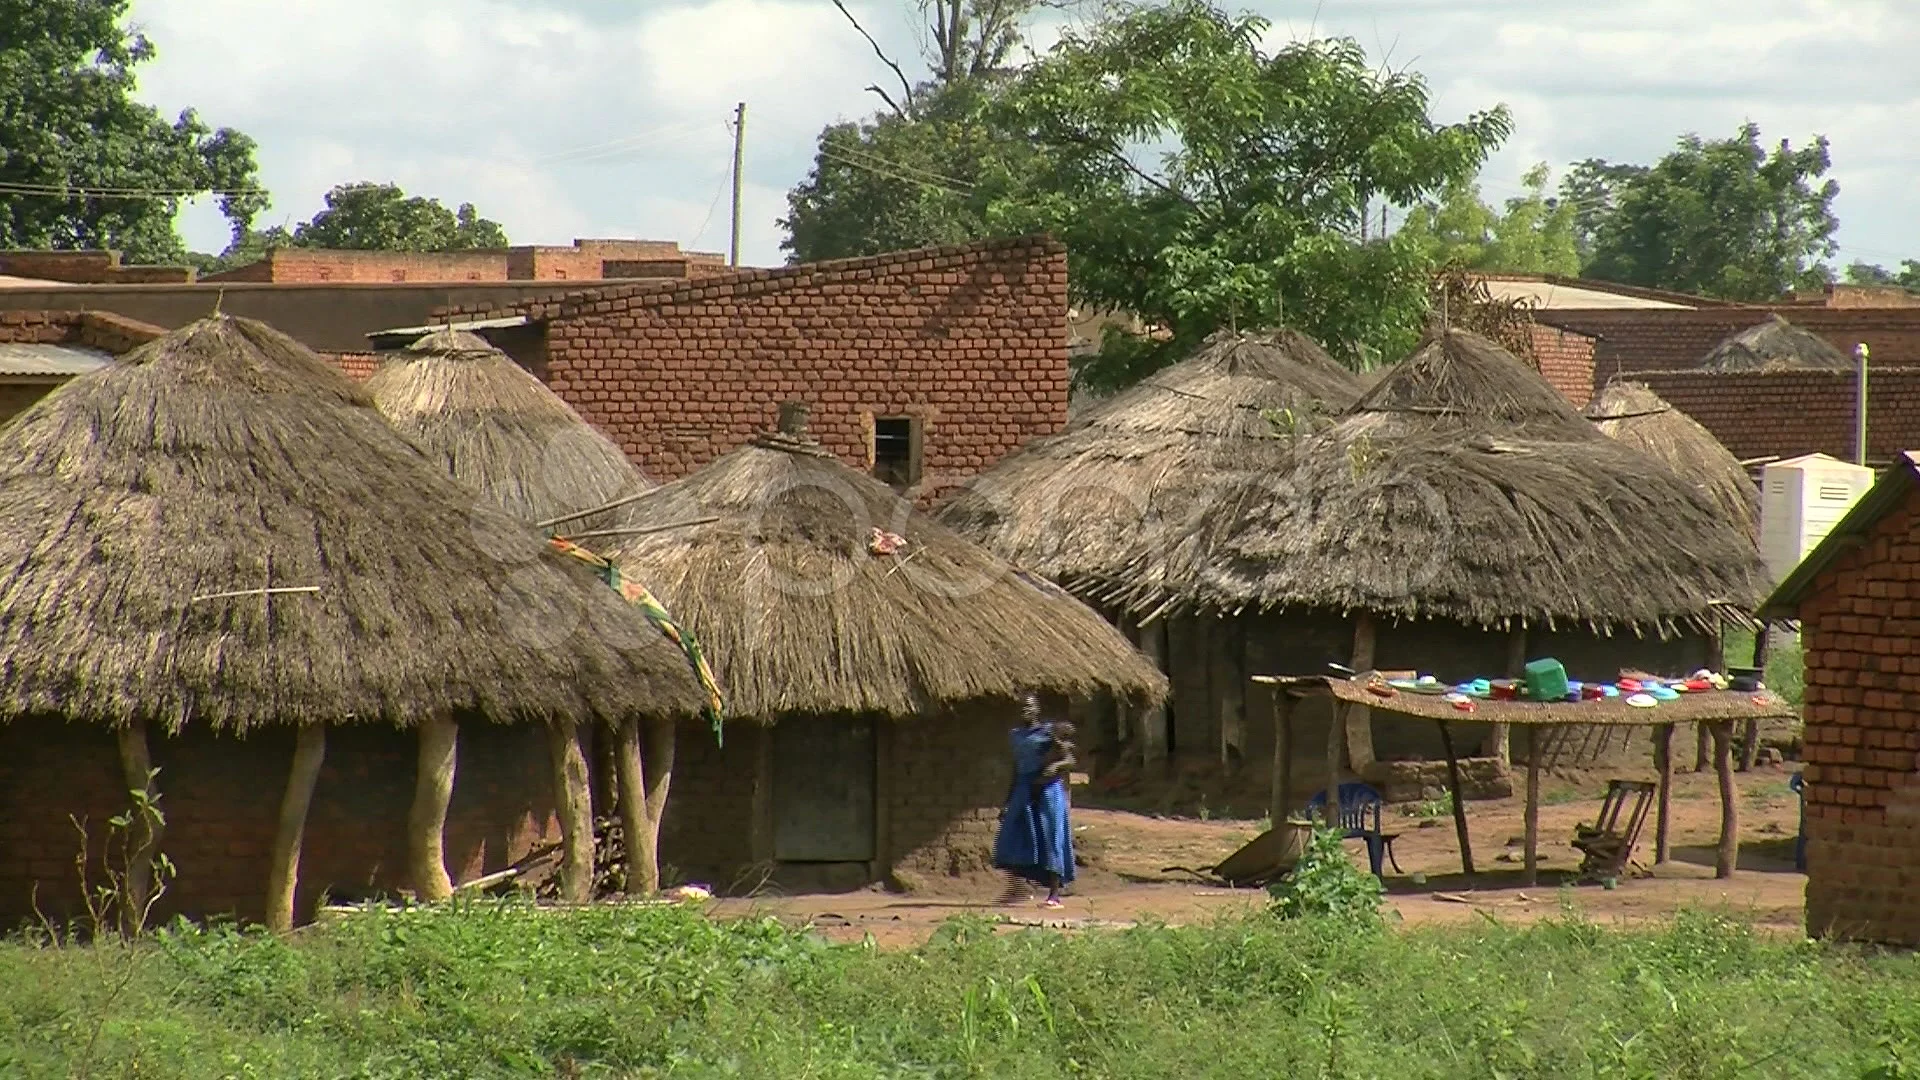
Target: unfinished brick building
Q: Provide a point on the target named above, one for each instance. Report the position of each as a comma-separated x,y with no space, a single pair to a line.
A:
584,260
1857,596
40,350
922,366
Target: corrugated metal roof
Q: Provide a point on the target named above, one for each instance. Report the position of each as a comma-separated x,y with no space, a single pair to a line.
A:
50,361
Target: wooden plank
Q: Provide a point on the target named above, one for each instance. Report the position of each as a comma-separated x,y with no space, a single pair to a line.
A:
1706,705
823,789
1533,806
1663,763
1459,798
1727,858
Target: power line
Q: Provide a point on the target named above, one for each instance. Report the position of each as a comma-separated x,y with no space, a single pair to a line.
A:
886,169
861,152
83,191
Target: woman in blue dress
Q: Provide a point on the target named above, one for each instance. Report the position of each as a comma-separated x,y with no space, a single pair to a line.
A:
1035,843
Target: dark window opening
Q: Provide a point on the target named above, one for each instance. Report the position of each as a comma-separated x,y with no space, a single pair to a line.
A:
896,450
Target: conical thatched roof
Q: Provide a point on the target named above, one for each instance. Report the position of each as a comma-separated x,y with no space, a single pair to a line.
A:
224,457
1080,506
1632,413
501,432
1776,345
803,617
1463,488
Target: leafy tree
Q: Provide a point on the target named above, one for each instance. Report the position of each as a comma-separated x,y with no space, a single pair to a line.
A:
1907,277
1266,166
381,217
1725,218
1535,235
85,165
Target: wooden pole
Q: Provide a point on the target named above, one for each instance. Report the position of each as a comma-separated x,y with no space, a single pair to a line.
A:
136,768
1750,732
643,861
1703,734
283,874
1728,857
1335,732
661,733
739,161
427,818
1533,805
573,798
1663,809
1499,736
1153,721
1281,804
1359,717
1459,798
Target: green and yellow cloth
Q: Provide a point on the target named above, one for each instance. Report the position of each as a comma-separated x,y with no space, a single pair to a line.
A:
636,594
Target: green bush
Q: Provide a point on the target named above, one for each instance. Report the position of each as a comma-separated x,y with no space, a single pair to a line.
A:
1326,884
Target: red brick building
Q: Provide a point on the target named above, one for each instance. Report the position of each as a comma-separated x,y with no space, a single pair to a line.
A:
585,260
926,365
39,350
1857,596
87,268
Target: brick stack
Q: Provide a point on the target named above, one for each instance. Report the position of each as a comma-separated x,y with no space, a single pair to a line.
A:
1861,633
1789,413
971,339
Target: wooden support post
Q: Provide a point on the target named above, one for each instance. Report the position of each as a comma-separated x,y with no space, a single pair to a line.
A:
427,818
883,800
136,769
1499,737
1359,717
1663,808
636,830
1153,721
1458,791
573,799
662,735
1750,731
1336,732
1281,805
1702,746
283,874
1533,805
760,829
1727,859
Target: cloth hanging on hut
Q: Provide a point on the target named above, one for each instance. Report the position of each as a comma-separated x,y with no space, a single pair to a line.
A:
636,594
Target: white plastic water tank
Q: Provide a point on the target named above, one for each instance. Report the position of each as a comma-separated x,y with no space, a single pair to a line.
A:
1801,499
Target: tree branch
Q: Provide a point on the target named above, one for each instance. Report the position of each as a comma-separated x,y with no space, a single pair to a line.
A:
905,85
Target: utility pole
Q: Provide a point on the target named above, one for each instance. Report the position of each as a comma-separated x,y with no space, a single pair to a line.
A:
739,153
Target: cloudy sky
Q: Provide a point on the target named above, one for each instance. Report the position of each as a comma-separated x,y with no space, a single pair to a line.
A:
566,118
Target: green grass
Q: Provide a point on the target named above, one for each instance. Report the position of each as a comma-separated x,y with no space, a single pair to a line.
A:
1786,668
502,990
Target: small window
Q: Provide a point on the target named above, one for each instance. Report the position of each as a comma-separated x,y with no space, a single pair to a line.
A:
896,450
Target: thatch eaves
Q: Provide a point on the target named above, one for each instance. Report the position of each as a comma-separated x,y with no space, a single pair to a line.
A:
1632,413
1776,345
1519,512
144,507
499,431
1082,505
802,616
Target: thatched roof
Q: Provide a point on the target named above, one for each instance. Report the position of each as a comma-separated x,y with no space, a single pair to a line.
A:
1080,506
803,617
225,458
1633,414
1776,345
1464,488
501,432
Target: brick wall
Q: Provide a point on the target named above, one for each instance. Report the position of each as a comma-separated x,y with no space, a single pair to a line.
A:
1566,360
221,795
88,268
1788,413
1861,632
584,260
969,338
356,366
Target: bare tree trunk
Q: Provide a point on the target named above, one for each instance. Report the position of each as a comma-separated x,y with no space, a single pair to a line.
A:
661,737
136,767
643,861
427,819
283,873
573,797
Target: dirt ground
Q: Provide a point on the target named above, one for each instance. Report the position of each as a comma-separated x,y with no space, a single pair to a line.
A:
1128,852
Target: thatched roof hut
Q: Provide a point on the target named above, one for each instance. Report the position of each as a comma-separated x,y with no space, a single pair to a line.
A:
499,431
1776,345
1463,487
1080,506
1633,414
218,533
803,617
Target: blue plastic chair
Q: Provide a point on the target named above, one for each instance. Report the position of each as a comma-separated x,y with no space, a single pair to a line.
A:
1360,817
1799,786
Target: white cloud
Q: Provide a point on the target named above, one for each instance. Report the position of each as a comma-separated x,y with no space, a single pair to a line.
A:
483,100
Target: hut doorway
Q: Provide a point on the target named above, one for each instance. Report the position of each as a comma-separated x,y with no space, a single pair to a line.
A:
824,789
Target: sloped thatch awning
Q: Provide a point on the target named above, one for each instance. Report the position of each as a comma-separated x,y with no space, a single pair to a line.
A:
499,431
802,616
1464,487
145,508
1100,497
1776,345
1633,414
